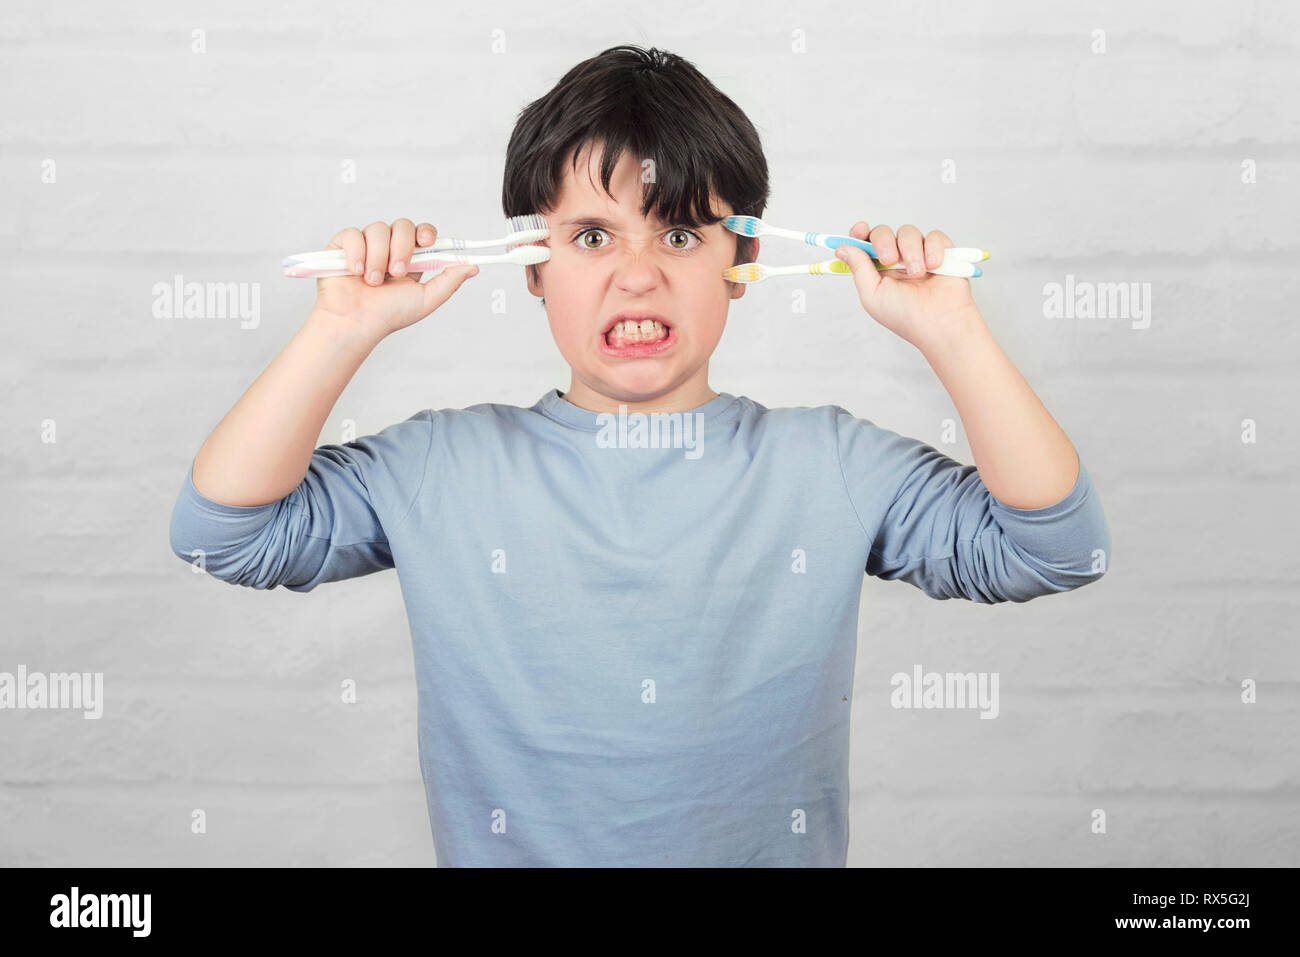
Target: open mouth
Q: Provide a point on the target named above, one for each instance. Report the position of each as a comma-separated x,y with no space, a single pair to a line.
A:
638,335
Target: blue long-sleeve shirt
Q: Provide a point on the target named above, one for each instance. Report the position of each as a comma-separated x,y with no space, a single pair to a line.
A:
641,655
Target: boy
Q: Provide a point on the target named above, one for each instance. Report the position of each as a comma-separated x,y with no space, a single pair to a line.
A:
633,652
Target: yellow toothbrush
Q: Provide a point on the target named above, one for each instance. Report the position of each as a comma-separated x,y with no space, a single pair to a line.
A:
757,272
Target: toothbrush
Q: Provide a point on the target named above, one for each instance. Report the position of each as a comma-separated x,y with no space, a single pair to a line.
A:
429,262
757,272
521,230
753,226
949,267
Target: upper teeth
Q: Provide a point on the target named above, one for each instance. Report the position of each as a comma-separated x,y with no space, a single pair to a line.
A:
631,327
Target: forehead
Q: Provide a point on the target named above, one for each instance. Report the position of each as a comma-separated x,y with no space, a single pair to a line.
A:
582,195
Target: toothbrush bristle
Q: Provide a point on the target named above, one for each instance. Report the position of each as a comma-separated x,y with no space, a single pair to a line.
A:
745,225
532,227
747,272
528,223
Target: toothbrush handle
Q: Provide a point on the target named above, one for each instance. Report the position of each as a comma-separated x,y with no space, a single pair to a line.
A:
328,257
422,263
823,268
965,254
961,270
322,258
831,241
315,273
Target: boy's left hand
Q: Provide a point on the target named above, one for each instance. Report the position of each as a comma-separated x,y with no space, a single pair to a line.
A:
915,305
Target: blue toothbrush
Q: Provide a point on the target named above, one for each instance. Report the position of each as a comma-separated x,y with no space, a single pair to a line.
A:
753,226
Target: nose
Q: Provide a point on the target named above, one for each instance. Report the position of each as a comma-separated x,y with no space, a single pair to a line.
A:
637,270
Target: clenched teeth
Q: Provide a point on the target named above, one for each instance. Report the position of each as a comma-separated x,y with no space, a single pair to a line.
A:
645,329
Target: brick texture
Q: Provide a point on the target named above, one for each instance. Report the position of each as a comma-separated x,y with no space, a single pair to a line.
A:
1123,166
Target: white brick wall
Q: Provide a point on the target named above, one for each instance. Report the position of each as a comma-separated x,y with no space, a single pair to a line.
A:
1123,166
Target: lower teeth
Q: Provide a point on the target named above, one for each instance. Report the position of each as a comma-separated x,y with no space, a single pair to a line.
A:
635,340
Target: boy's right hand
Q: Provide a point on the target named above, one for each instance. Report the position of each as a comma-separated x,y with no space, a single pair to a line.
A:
382,296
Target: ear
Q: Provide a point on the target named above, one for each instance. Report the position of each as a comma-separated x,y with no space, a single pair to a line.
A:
738,288
534,273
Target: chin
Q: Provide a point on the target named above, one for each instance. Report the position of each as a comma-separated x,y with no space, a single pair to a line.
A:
640,390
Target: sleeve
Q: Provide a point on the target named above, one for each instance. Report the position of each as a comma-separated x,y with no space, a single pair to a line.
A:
334,525
931,522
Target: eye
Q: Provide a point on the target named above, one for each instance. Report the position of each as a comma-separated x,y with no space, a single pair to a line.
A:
677,239
585,245
684,232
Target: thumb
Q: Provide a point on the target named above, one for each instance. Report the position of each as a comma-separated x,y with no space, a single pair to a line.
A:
439,288
865,274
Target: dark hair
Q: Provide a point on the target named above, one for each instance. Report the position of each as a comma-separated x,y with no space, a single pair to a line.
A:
662,108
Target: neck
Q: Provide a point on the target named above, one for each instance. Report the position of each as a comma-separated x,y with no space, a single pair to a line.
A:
684,397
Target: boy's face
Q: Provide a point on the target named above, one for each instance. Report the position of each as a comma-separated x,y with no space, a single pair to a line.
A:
606,258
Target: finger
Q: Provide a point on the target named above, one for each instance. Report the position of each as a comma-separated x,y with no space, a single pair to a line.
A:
400,245
376,252
860,230
911,248
353,245
882,237
935,243
440,288
425,235
865,275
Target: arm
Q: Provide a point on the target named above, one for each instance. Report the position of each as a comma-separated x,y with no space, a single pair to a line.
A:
1025,520
930,521
259,452
334,524
260,504
1023,456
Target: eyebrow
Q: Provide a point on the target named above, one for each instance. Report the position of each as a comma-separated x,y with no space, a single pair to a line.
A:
588,221
601,223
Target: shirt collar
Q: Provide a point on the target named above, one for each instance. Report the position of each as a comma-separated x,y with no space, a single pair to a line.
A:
555,406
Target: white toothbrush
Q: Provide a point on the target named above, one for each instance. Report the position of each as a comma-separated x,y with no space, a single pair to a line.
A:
429,262
757,272
520,230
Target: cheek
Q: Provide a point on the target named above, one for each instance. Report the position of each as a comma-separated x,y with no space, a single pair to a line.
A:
568,279
582,284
